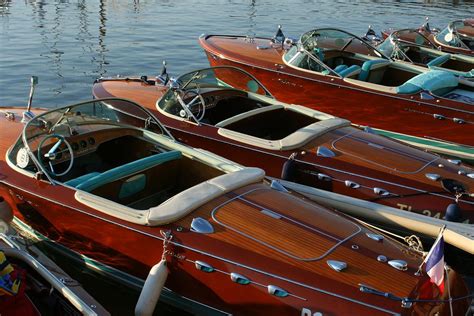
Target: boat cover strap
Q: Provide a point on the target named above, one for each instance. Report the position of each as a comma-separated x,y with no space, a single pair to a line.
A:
188,200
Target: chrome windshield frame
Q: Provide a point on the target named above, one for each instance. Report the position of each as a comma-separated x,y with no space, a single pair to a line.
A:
66,109
183,86
381,55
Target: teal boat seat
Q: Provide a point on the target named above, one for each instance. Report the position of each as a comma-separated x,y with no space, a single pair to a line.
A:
369,65
76,181
438,61
436,81
128,169
350,71
132,186
340,68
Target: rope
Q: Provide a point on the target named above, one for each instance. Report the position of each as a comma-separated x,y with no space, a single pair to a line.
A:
413,241
167,236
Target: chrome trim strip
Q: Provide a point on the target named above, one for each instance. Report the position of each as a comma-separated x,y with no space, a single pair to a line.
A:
219,258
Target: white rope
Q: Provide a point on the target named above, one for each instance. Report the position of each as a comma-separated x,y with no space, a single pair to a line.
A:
413,241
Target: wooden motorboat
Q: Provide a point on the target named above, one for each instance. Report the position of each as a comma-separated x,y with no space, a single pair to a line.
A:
104,179
457,37
338,73
215,109
424,53
31,284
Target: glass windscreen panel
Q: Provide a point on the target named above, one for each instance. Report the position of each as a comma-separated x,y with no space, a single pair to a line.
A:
411,36
338,40
84,117
222,77
455,35
204,80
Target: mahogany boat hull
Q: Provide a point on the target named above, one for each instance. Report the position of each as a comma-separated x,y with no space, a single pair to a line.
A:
430,34
131,253
414,193
406,114
275,243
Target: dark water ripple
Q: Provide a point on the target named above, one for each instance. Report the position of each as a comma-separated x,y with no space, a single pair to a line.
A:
70,43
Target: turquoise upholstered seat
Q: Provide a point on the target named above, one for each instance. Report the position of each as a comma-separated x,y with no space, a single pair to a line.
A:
340,68
368,65
438,61
76,181
127,170
352,70
436,81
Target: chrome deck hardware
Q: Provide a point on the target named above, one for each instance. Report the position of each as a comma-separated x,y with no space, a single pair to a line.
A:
337,265
398,264
238,278
202,226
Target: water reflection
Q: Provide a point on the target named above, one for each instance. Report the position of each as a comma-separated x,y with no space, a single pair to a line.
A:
70,43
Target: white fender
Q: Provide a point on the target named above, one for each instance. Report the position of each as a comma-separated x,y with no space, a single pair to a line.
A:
151,291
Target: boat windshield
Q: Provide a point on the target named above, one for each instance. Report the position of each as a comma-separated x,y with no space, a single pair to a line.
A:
317,50
85,117
411,36
398,42
458,34
334,39
221,77
215,78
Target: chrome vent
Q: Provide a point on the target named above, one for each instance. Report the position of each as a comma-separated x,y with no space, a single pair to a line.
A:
238,278
380,191
433,176
325,152
200,265
399,264
351,184
275,290
276,185
455,161
324,177
375,237
337,265
202,226
381,258
458,120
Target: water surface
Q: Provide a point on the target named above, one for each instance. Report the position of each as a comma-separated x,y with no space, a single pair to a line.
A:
70,43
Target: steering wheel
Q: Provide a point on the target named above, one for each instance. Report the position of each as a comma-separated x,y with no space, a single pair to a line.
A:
53,152
196,105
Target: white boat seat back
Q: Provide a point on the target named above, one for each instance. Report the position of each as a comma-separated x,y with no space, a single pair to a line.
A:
188,200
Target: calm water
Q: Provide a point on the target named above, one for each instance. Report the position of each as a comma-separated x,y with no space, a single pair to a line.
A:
70,43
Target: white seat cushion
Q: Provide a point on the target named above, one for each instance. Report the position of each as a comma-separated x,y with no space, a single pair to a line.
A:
187,201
